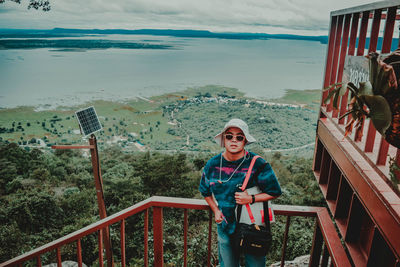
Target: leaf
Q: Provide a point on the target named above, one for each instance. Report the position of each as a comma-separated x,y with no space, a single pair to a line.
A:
381,75
380,112
352,88
336,98
346,114
343,89
359,125
366,88
373,67
332,86
331,93
349,127
356,106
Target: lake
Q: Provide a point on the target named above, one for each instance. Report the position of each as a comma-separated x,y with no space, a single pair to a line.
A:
259,68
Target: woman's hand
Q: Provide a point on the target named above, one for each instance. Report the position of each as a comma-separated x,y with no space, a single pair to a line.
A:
243,198
218,216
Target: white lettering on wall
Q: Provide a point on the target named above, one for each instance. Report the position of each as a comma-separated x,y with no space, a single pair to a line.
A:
358,75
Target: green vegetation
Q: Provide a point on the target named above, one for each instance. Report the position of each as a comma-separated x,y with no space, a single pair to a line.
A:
274,126
310,97
182,121
44,196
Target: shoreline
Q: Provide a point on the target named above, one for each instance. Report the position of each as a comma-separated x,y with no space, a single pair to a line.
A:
76,101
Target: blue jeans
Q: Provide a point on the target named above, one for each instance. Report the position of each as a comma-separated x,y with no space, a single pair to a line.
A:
227,257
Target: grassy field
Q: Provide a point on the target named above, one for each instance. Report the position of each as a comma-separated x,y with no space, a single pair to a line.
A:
149,121
311,98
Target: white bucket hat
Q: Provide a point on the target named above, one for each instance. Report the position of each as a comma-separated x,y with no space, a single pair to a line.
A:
237,123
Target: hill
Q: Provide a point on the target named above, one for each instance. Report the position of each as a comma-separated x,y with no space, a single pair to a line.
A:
182,121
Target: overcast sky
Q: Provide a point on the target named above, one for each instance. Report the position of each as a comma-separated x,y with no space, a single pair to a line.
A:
309,17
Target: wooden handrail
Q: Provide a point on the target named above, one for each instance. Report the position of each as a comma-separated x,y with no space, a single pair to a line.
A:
361,8
324,221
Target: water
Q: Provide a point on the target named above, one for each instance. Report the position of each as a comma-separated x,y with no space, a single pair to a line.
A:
260,68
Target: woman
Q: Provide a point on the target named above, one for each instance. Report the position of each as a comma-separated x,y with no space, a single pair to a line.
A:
222,176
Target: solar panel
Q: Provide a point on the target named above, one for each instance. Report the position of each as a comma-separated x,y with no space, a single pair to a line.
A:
88,121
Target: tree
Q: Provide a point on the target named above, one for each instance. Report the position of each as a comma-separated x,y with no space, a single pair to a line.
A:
34,211
36,4
8,171
166,175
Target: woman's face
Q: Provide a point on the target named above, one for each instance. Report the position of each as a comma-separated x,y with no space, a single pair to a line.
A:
234,140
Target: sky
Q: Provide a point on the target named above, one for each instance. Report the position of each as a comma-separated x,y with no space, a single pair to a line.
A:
304,17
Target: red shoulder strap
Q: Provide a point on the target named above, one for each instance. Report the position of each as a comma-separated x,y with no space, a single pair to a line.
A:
246,180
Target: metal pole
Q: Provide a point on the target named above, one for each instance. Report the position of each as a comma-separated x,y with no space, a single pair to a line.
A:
98,181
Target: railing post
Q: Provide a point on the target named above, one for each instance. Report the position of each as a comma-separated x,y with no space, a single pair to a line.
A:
372,47
382,153
79,252
386,45
329,56
363,33
210,223
100,232
38,261
59,262
325,257
146,238
316,246
369,143
335,59
122,237
285,241
351,49
343,50
360,52
397,161
376,22
158,236
185,230
342,55
389,28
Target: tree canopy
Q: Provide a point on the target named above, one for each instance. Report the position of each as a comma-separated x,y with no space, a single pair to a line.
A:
36,4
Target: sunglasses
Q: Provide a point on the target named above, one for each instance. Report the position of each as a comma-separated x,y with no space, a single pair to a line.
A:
239,138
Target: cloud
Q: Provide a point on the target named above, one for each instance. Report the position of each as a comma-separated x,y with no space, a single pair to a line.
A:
271,16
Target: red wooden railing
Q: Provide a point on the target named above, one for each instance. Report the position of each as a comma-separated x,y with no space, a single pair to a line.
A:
367,139
353,172
325,237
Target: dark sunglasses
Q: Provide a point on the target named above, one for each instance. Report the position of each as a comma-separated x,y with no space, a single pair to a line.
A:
239,138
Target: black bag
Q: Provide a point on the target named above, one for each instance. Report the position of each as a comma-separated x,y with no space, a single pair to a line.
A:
251,238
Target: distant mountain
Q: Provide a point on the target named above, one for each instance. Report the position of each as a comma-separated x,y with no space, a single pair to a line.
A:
62,32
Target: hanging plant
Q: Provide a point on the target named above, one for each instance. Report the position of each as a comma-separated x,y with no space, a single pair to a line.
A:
377,99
